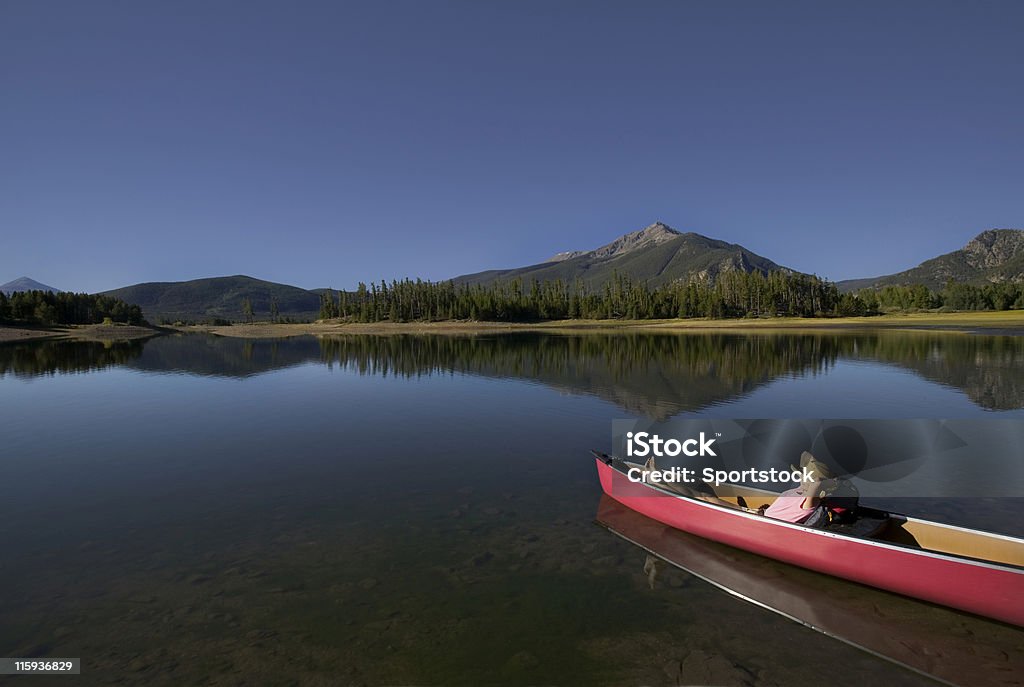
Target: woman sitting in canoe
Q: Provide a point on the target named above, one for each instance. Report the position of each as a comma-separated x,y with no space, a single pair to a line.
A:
802,504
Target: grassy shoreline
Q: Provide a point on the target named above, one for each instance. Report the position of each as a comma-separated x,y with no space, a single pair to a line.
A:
1003,322
1011,322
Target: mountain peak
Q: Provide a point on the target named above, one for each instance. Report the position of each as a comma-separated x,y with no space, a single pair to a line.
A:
658,228
651,235
656,254
25,284
990,237
993,256
994,247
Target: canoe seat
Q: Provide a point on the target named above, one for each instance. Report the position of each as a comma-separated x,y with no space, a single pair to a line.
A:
869,523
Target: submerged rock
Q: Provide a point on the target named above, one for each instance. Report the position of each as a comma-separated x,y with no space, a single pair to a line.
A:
523,660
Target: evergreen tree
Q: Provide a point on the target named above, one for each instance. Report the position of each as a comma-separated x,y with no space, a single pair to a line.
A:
275,309
247,310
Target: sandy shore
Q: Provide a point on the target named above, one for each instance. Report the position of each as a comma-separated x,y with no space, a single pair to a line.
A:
84,332
1010,322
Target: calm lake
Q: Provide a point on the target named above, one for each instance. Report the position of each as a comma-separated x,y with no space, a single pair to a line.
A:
416,510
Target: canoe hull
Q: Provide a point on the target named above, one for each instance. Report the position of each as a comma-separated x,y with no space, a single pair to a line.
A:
991,590
926,638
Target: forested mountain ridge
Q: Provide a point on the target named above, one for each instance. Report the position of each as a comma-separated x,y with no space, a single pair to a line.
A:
992,257
657,254
654,272
229,298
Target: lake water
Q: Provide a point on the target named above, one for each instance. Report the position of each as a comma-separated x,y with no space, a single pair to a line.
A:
416,510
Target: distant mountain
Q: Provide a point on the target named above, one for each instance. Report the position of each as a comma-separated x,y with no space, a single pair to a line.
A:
996,255
218,297
658,254
25,284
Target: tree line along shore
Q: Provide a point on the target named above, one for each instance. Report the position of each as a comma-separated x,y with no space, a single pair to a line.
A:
731,295
28,315
65,307
771,299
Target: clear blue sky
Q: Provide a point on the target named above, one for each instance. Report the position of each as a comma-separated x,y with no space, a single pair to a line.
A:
323,143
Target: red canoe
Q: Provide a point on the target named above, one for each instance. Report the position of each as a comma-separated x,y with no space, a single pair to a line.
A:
974,571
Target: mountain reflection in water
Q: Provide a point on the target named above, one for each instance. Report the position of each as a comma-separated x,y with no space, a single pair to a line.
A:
657,375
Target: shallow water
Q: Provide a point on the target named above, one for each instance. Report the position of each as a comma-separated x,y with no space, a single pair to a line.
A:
414,510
